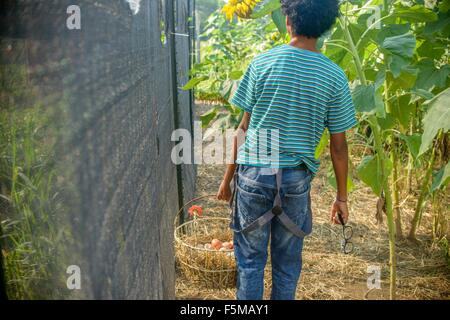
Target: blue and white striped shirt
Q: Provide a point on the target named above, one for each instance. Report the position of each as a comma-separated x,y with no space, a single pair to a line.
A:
293,95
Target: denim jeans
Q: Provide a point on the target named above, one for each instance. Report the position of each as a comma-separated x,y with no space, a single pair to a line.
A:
256,190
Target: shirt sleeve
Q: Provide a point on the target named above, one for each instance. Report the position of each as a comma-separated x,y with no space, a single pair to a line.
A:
245,95
341,111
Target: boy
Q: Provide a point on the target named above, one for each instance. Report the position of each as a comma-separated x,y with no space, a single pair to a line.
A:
294,92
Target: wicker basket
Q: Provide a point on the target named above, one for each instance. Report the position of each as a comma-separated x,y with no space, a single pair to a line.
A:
208,268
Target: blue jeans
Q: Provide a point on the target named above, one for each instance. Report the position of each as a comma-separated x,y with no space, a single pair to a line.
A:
256,189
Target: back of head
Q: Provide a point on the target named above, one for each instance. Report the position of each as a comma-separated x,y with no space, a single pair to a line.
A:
311,18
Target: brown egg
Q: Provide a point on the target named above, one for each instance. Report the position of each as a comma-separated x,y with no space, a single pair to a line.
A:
227,245
216,244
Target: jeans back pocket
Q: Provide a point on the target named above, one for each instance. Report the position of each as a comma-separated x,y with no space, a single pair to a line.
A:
296,203
252,201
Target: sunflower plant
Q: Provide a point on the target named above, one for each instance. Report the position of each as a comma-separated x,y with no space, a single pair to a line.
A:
241,8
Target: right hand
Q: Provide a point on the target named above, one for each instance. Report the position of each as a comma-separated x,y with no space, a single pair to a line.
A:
224,192
339,207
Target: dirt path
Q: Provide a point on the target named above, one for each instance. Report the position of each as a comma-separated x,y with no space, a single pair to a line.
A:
328,273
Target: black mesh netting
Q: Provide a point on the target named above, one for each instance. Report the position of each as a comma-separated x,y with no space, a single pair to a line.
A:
87,118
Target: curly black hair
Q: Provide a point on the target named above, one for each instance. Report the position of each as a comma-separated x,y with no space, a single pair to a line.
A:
311,18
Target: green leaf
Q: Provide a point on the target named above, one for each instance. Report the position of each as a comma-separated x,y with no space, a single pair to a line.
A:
429,76
440,26
336,54
208,116
417,94
323,143
370,174
431,49
413,143
380,78
368,100
193,82
397,64
364,98
388,122
401,45
406,79
416,13
236,75
266,9
392,30
280,21
441,178
402,110
437,117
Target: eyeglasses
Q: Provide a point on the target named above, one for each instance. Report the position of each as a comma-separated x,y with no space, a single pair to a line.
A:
347,232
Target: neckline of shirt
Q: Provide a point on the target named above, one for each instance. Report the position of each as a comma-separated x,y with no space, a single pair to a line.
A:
303,50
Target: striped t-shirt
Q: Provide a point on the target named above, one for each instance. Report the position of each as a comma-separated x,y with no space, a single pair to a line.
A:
292,94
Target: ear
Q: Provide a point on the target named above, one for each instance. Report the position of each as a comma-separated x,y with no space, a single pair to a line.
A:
288,25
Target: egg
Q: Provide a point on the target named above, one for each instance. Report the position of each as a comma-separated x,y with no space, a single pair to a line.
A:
216,244
208,246
227,245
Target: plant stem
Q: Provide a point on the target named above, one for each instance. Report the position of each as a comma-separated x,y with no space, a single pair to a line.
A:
393,157
410,164
382,163
353,49
388,200
423,193
395,191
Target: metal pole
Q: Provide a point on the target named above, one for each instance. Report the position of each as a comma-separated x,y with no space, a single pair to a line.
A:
170,15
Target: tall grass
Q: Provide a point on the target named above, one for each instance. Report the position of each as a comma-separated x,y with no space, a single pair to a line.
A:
32,230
